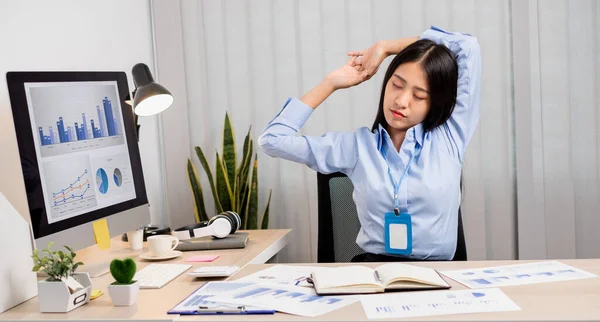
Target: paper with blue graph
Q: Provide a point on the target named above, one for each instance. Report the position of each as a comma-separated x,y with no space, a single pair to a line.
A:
413,304
282,274
286,298
202,301
519,274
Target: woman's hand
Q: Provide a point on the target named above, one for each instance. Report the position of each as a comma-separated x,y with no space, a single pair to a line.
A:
346,76
369,60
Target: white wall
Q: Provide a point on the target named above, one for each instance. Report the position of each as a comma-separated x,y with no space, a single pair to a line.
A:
109,35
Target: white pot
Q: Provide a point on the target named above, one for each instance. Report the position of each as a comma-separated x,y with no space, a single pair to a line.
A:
124,295
55,296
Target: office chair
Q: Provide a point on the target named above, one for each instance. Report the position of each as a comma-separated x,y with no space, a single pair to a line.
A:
339,224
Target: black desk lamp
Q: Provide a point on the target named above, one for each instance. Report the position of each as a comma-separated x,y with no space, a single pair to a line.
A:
149,97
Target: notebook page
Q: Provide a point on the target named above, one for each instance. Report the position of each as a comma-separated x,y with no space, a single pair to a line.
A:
390,271
342,276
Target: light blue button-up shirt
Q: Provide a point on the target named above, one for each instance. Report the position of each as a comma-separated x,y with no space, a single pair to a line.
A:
430,192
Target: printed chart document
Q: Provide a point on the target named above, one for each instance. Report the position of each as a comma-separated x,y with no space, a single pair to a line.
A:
201,301
286,298
282,274
519,274
402,305
361,279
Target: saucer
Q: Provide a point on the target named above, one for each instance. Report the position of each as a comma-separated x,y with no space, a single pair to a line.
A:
150,256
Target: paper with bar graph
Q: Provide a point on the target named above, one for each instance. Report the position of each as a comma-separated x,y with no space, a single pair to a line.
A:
413,304
519,274
282,274
285,298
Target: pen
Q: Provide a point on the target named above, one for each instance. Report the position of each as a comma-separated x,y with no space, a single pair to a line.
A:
377,276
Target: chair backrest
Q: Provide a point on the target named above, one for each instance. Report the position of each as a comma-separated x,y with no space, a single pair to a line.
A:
338,219
339,225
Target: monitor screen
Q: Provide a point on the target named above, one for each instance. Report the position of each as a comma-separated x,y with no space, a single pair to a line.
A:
78,147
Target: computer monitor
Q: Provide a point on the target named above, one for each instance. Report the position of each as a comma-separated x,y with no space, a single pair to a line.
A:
79,155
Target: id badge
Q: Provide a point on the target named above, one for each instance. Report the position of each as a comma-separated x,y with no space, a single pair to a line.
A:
398,233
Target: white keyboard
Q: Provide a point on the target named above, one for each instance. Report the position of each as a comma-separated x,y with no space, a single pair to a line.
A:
158,275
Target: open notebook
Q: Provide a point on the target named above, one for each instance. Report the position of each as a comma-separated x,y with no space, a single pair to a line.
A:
361,279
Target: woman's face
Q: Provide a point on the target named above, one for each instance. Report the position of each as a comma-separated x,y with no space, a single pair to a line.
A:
406,101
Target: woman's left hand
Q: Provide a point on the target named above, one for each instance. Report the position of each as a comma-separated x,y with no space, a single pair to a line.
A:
369,60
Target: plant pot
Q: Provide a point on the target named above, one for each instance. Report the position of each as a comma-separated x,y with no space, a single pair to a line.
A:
55,296
124,295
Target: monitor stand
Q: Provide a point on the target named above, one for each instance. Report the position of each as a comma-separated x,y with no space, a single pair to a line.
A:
96,269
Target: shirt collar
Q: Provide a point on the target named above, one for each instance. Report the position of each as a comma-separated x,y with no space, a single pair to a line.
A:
416,131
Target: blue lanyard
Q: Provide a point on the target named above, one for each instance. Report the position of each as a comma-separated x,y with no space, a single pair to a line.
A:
397,186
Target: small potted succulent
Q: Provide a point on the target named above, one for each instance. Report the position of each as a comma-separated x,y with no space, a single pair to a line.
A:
124,291
64,289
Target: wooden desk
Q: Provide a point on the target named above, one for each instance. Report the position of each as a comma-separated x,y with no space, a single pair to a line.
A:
154,304
562,301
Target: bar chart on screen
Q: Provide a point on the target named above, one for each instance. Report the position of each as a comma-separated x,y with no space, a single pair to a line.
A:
71,118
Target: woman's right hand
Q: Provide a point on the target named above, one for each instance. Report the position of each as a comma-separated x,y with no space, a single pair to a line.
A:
346,76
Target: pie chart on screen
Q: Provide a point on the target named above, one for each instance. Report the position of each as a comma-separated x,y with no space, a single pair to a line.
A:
117,177
102,181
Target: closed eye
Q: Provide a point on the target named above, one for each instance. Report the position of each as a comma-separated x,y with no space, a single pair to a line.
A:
418,98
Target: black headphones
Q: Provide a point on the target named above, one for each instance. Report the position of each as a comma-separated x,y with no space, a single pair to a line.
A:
219,226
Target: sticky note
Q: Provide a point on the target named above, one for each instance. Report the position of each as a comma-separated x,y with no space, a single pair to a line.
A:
101,234
202,258
95,294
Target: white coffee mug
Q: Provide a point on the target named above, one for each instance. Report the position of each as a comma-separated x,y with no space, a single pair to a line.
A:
161,245
136,239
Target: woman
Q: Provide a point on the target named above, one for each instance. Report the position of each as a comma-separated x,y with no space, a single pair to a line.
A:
406,168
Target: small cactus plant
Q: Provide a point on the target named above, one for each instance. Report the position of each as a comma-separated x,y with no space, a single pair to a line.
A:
123,271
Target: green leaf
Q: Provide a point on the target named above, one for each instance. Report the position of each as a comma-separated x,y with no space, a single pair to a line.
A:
236,195
223,187
36,268
245,168
229,152
244,206
265,218
70,250
199,209
213,188
242,174
252,212
247,143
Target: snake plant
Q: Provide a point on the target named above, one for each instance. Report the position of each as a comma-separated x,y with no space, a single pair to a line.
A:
232,186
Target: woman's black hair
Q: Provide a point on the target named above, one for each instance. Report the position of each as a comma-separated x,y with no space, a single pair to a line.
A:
441,69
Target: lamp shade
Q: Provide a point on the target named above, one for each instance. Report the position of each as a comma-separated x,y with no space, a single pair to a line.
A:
150,98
